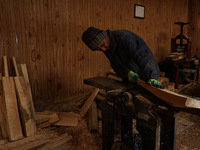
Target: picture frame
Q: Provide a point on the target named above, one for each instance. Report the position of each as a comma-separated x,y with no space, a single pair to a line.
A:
139,11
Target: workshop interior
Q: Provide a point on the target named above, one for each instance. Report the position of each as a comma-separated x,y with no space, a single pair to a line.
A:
57,94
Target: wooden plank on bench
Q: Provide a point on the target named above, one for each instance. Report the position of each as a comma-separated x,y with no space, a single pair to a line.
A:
173,99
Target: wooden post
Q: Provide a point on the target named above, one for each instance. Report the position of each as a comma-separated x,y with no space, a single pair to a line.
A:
2,112
89,102
93,125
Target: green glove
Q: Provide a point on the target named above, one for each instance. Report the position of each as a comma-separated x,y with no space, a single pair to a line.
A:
155,83
132,76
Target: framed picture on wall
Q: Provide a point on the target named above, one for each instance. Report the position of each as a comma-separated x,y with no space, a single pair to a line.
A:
139,11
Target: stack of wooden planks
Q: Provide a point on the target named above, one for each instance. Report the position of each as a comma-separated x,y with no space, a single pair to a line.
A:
17,115
19,121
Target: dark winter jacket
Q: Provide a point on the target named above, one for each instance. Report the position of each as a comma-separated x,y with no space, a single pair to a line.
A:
130,53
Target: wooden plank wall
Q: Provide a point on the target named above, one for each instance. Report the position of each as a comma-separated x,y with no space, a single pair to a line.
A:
194,28
46,35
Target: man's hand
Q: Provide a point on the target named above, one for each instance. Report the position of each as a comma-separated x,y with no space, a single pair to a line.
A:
155,83
132,76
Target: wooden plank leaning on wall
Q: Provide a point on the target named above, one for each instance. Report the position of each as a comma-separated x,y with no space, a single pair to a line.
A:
12,115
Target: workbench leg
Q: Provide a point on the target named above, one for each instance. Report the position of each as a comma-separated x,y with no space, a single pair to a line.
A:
107,126
168,132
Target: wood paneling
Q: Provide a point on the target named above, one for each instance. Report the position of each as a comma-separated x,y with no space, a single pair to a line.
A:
194,28
46,35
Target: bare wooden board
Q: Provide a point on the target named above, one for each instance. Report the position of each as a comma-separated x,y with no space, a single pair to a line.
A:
12,115
25,106
66,121
2,112
52,119
26,112
69,114
56,142
13,123
93,125
28,87
170,97
88,102
41,118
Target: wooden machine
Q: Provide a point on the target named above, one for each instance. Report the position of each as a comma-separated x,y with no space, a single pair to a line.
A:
179,65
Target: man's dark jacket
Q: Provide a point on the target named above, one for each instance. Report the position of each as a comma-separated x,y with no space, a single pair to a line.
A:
130,53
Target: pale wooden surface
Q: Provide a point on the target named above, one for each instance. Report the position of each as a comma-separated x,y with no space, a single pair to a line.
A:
12,115
5,65
13,123
15,67
66,121
2,112
26,111
40,118
28,87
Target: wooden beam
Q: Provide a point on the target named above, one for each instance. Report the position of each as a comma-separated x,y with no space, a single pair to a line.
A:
93,125
41,118
170,97
26,112
2,112
12,115
5,64
66,121
28,87
52,119
15,66
89,102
